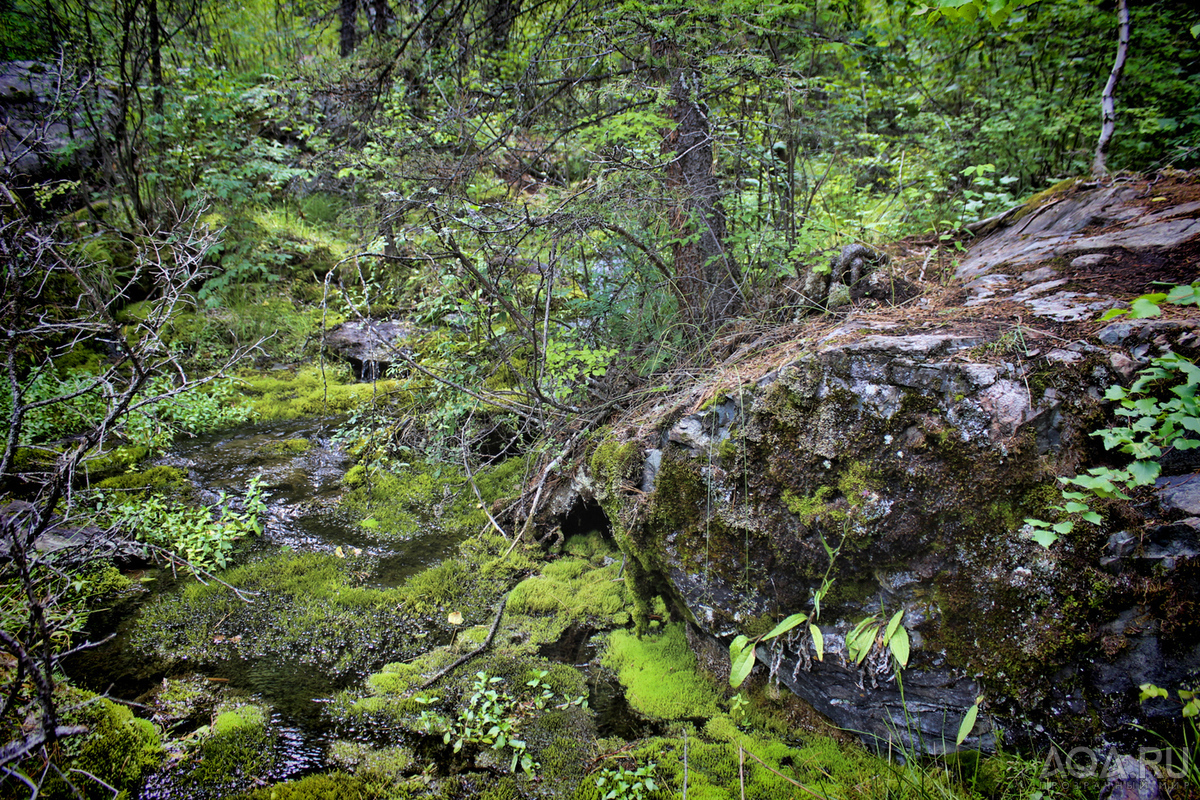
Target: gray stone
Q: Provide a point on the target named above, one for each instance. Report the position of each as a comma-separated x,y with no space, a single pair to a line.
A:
1069,306
1117,332
1052,231
1090,259
370,346
43,124
1129,779
1180,493
650,469
1038,275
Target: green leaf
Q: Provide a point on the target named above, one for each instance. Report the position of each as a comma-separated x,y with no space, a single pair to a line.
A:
1149,690
1146,306
1092,517
818,641
742,664
1044,537
1113,313
1186,294
783,627
893,624
967,725
1144,472
899,644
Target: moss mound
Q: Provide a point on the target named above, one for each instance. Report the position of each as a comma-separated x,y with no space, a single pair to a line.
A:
311,391
660,675
428,497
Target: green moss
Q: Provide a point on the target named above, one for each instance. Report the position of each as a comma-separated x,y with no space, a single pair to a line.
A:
158,479
117,460
573,589
810,508
425,497
660,675
288,447
237,750
118,747
311,608
328,786
310,391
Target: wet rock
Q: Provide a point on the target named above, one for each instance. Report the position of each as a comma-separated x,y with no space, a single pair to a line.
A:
1129,779
1167,544
371,346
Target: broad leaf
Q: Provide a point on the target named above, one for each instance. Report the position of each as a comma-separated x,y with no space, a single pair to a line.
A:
818,641
1044,537
785,626
1144,472
893,624
900,644
741,666
1146,306
967,725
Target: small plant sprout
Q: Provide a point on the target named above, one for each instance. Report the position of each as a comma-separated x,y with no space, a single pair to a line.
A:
621,783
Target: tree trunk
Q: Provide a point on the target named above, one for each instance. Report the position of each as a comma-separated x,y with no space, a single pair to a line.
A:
347,13
1107,103
156,76
705,271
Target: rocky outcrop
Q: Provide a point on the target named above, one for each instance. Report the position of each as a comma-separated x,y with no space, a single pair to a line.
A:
46,127
370,346
896,468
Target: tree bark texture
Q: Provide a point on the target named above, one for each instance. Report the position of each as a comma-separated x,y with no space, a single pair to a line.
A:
347,13
707,275
1107,103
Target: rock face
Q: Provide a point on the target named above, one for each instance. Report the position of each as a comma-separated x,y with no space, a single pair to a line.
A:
44,127
370,346
896,470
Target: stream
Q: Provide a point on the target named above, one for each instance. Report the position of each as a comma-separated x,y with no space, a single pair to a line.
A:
302,490
303,486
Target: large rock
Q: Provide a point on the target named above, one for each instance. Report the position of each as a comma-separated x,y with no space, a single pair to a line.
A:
48,119
915,459
370,346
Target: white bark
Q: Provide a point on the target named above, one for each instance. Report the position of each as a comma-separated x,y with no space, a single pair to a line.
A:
1107,103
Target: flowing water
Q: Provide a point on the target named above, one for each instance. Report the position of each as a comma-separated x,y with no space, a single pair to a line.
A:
303,486
302,489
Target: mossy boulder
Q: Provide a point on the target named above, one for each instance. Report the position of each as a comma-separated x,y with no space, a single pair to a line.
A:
900,470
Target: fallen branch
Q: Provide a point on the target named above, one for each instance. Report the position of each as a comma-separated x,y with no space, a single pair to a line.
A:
458,662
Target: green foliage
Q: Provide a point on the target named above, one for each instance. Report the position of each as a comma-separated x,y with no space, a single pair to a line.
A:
204,538
151,424
492,716
1162,412
1186,752
742,651
620,783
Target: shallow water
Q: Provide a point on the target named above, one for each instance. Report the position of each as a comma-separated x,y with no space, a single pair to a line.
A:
302,490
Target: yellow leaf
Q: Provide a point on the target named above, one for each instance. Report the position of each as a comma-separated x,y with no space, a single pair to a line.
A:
338,552
455,618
